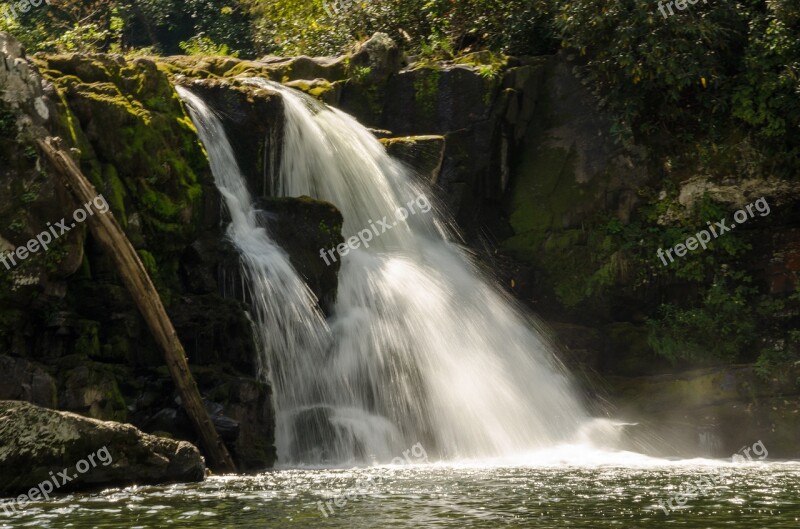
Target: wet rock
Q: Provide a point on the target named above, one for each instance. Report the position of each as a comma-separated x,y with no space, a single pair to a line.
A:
36,441
215,330
304,226
253,121
424,154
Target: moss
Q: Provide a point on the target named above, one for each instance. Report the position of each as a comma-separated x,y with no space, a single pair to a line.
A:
88,342
8,122
112,407
495,61
117,349
149,262
426,90
543,193
115,193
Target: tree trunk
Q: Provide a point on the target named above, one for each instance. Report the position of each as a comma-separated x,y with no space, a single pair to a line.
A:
115,243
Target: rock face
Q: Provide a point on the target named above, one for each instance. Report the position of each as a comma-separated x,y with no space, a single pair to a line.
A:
70,337
24,380
381,55
302,227
423,154
35,442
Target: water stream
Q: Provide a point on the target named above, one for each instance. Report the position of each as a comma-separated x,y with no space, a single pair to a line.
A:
421,347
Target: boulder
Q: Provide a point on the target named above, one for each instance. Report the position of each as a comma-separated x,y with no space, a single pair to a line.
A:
424,154
302,227
380,55
35,442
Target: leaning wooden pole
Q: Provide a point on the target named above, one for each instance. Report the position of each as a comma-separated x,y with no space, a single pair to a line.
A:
113,240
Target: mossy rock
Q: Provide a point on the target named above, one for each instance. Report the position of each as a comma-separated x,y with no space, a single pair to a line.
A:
424,154
134,121
92,389
34,441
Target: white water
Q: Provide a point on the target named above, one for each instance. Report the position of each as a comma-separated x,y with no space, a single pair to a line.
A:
421,349
292,334
425,350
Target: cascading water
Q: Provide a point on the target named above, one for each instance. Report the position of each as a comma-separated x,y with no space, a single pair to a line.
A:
424,350
290,329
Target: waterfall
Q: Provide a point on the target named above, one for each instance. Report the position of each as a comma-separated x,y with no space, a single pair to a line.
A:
421,348
287,321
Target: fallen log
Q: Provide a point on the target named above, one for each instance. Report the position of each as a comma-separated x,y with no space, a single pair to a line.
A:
110,236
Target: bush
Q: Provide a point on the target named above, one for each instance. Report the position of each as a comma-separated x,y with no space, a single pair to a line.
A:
441,26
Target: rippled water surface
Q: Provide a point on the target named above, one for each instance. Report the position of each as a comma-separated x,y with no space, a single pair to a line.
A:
756,495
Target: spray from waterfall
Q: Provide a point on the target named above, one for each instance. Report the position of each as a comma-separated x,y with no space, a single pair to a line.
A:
424,349
287,321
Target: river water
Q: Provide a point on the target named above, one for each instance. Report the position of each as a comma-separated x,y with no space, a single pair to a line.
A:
542,494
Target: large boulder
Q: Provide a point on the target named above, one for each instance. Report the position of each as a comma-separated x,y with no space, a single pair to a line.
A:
37,442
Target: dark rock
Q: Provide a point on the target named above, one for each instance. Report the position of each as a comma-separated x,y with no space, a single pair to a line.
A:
424,154
215,330
304,226
253,121
91,389
36,441
24,380
227,428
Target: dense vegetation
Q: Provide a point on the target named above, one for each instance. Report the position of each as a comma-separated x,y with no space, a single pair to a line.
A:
723,71
712,90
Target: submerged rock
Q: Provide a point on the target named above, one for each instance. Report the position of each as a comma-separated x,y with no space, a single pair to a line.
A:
37,442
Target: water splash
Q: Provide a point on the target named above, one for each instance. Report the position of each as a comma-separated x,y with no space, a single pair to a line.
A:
420,338
292,334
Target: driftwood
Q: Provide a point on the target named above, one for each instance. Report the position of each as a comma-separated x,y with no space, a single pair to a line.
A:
113,240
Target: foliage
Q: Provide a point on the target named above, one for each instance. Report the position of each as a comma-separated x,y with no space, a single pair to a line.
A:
711,71
122,25
428,27
768,95
732,323
202,45
720,327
